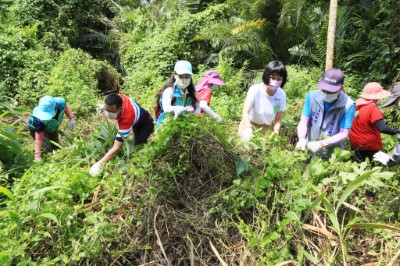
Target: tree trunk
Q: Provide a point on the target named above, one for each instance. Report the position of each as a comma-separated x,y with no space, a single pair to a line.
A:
330,44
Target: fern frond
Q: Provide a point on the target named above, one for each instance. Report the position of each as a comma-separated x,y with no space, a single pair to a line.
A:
258,24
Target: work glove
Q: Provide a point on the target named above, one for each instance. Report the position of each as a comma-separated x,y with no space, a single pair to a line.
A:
38,159
301,144
247,134
96,168
218,119
314,146
71,124
381,157
99,107
180,109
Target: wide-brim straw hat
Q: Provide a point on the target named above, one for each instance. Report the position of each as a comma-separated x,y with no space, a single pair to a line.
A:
374,91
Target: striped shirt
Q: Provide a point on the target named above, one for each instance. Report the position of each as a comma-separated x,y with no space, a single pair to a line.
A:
128,117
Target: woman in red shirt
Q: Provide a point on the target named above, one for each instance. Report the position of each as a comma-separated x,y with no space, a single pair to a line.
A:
368,123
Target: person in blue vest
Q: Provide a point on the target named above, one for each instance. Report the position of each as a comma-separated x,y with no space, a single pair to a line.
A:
327,116
44,122
178,95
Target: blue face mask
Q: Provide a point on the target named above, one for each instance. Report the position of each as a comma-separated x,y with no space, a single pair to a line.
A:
212,87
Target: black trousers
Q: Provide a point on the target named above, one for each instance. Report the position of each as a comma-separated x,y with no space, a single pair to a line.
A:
361,155
48,137
143,129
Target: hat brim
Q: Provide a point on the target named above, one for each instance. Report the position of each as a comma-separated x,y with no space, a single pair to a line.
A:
183,71
328,87
391,101
376,96
37,112
216,82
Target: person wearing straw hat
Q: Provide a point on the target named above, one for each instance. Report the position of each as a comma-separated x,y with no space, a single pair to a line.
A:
44,122
365,134
265,102
205,88
178,95
327,116
394,158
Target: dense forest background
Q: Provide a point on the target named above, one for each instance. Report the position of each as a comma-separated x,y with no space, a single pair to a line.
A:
195,195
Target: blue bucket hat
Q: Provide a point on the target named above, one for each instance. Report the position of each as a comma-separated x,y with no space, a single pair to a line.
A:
46,108
183,67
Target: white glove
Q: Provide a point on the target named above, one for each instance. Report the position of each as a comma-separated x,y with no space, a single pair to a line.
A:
71,124
188,109
247,134
99,107
301,144
178,110
381,157
95,169
218,119
38,159
314,146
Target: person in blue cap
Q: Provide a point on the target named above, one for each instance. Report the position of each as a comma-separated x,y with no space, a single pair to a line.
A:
327,116
178,95
44,122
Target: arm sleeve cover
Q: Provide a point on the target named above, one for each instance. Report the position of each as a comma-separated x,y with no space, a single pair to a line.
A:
339,137
302,127
383,128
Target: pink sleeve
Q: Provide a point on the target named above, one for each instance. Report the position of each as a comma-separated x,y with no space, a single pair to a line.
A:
68,112
38,144
302,127
339,137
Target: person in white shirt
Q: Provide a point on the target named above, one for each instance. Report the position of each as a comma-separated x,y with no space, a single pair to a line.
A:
265,102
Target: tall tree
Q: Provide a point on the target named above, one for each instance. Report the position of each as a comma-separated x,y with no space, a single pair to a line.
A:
330,43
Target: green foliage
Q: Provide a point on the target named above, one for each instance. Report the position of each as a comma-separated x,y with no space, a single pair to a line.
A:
194,180
76,78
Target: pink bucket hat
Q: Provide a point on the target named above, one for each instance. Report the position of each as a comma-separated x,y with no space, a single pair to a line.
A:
374,91
210,77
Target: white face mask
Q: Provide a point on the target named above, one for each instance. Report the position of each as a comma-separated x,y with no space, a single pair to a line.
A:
110,115
182,83
274,84
329,97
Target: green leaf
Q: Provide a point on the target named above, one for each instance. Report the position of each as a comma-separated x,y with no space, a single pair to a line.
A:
354,185
310,257
271,237
292,216
374,226
48,216
242,165
314,204
7,192
39,191
332,216
13,216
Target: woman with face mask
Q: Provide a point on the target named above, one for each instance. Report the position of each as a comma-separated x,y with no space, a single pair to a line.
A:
178,95
130,117
205,89
265,102
327,116
394,158
365,137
